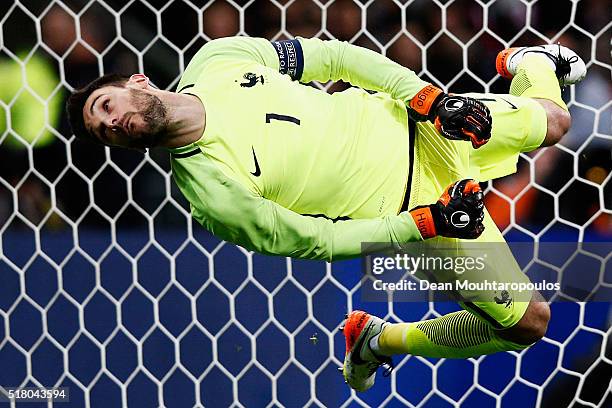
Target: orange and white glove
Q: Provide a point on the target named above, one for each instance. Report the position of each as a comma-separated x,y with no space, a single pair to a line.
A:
457,214
455,117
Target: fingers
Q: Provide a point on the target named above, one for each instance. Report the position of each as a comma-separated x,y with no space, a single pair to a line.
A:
471,186
473,197
456,189
480,108
477,231
462,186
463,118
466,188
481,123
461,210
477,127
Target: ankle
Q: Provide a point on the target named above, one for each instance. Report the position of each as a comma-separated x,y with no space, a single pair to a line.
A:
378,342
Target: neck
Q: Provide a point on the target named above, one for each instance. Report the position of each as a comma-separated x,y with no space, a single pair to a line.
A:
186,119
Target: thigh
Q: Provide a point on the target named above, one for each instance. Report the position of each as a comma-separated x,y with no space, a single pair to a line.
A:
475,286
499,307
519,125
440,162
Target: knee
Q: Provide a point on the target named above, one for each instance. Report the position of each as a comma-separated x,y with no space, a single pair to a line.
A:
558,124
536,322
532,326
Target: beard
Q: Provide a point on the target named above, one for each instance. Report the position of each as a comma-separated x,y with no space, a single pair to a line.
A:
154,116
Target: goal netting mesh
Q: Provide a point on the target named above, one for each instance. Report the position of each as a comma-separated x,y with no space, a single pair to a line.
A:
109,288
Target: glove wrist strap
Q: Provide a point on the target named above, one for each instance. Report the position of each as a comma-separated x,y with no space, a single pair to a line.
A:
422,105
423,218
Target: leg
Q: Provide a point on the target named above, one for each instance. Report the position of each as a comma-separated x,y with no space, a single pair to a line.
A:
533,115
491,322
485,326
558,122
532,325
463,335
536,79
370,341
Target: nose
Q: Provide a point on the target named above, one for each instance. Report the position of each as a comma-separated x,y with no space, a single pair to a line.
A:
111,122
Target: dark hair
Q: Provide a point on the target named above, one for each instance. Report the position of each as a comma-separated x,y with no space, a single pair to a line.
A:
76,102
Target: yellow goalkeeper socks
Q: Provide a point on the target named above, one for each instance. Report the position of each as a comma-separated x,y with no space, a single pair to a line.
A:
455,335
535,78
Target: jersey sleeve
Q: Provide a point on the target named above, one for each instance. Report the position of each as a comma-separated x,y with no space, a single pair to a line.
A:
338,60
312,59
235,214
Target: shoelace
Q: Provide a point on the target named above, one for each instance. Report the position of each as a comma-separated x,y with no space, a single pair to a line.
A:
564,65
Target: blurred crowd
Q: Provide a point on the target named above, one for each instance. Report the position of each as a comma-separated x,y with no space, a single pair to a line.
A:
454,47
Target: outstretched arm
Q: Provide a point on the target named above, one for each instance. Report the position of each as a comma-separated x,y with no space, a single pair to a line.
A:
235,214
312,59
232,212
339,60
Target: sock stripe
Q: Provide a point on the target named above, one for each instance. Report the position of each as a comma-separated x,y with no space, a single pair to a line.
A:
455,335
459,330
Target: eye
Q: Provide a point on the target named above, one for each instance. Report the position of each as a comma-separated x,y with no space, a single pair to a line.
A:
105,106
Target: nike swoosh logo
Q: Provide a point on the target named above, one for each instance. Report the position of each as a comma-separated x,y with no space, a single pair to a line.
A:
357,347
513,106
509,103
257,171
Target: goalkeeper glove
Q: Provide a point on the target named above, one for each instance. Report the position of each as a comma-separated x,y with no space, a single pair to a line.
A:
455,117
457,214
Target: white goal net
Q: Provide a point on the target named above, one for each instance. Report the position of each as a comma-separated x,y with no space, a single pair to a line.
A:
108,288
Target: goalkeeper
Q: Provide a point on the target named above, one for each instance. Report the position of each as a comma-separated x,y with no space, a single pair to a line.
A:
286,169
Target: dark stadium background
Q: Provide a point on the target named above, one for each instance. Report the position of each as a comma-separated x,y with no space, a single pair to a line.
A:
180,25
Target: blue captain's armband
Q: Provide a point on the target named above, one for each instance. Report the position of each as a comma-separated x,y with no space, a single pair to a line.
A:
290,58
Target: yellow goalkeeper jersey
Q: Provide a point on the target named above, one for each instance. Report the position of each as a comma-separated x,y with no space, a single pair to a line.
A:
276,152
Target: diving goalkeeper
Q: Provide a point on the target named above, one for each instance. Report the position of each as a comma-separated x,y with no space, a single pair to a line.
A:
286,169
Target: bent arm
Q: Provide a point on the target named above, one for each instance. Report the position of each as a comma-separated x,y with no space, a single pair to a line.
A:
338,60
312,59
235,214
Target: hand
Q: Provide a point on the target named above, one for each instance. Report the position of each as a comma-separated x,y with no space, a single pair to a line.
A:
463,118
455,117
457,214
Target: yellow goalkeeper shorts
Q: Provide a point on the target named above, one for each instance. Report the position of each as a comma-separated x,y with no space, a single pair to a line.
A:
519,125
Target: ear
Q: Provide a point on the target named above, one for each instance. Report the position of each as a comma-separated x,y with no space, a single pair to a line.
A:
139,80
